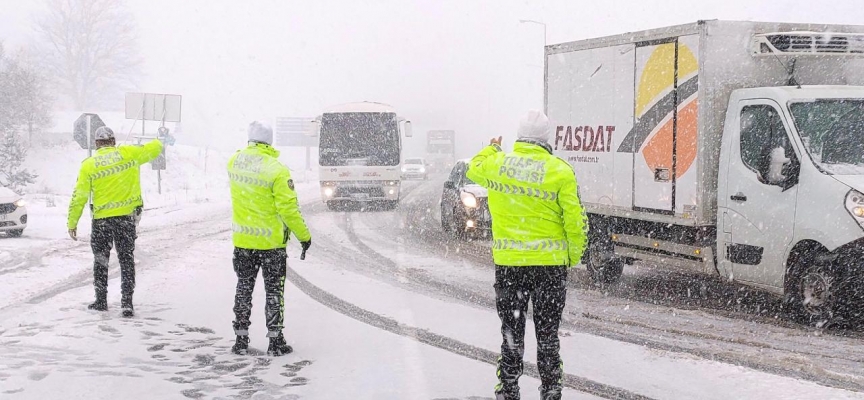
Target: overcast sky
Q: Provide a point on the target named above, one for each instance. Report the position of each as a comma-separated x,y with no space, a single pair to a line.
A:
460,64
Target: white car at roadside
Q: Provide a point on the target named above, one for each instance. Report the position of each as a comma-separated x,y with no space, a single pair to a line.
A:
13,213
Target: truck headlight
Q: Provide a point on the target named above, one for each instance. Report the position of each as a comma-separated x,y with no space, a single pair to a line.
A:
468,199
855,205
328,192
20,203
422,170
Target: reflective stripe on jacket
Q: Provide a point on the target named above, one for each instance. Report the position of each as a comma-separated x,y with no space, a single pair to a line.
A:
264,203
537,218
113,175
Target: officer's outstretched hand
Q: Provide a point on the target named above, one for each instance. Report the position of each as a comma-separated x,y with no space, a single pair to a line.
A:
73,233
306,245
496,141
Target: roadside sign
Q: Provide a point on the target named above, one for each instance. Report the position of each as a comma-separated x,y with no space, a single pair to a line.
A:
79,130
153,107
159,163
293,132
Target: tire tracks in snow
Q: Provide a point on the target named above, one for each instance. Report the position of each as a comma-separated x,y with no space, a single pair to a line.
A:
617,329
445,343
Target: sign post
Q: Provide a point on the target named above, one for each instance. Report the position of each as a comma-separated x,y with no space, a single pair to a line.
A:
154,107
291,131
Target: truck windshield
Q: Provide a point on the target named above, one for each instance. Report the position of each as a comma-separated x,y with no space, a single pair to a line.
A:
359,139
833,133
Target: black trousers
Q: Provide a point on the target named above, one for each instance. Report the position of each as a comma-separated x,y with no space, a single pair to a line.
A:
272,264
546,288
108,232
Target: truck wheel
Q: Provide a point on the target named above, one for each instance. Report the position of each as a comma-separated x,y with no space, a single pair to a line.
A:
16,233
604,269
810,297
603,265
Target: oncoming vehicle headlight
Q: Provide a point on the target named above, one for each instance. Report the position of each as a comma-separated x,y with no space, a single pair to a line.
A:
422,169
855,205
328,192
20,203
404,169
468,199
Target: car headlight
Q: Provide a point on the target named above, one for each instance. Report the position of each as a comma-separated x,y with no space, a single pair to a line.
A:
20,203
404,169
468,199
855,205
422,170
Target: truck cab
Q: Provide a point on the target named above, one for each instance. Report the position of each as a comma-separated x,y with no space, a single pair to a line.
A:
790,202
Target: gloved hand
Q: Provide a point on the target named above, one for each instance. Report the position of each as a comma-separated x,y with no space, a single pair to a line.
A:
166,138
496,141
73,233
305,245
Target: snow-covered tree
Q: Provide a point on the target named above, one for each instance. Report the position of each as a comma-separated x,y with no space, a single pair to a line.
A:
90,49
12,155
24,107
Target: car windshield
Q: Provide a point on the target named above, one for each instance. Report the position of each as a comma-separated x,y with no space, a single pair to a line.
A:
833,133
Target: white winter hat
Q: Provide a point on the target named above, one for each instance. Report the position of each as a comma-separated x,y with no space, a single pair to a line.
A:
260,132
534,125
104,133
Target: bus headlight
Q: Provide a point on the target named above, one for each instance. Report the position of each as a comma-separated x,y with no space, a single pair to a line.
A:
468,199
855,206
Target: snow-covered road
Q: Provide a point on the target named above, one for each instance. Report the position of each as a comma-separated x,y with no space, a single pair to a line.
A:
384,307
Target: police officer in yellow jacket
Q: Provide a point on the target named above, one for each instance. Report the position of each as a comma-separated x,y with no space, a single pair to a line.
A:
112,176
265,213
539,230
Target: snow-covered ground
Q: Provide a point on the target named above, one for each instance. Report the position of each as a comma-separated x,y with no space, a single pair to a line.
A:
375,312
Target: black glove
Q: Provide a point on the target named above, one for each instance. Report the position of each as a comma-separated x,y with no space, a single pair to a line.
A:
306,245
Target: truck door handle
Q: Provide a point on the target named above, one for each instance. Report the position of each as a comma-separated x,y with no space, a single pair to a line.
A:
738,197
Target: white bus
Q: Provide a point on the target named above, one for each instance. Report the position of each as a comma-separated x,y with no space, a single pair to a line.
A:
360,153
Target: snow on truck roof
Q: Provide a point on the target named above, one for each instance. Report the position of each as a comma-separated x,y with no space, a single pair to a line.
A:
364,106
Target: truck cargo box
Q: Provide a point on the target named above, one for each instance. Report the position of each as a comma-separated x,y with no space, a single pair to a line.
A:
640,115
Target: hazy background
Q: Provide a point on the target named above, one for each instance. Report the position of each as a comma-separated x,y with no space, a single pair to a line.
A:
463,65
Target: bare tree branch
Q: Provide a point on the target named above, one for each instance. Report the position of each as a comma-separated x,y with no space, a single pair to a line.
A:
90,47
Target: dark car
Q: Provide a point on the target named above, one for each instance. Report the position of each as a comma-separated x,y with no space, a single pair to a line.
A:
464,205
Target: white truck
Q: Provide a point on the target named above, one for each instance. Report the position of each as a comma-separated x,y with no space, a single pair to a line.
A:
728,148
360,153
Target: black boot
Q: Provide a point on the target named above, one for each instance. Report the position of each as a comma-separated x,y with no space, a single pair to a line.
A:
501,394
241,346
101,303
128,310
278,347
550,393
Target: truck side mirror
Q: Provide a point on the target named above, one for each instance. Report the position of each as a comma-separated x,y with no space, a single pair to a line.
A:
777,160
408,131
780,170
